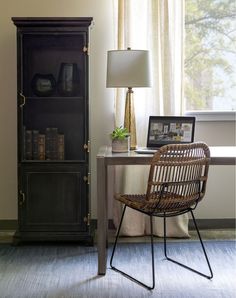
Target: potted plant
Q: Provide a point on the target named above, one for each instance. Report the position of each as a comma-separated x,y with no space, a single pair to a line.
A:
120,139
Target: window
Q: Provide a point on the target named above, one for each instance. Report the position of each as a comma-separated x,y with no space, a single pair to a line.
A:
210,55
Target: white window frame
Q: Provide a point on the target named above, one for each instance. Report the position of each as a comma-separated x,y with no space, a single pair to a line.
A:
212,115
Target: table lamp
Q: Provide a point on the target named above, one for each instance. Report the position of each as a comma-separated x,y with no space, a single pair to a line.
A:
129,68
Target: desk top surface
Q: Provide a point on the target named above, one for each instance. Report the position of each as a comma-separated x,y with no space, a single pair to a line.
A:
220,155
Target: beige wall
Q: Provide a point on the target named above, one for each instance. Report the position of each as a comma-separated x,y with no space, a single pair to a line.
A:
101,104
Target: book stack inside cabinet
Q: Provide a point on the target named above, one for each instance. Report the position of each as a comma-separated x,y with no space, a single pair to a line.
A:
49,145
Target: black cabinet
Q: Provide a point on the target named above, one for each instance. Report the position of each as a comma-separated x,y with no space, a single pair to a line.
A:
53,140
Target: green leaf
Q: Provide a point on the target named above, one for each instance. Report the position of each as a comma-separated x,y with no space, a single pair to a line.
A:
119,133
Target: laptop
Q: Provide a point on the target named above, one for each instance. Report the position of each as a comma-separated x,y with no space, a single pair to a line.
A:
163,130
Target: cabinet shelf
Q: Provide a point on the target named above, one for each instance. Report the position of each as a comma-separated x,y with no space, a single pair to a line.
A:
55,98
66,161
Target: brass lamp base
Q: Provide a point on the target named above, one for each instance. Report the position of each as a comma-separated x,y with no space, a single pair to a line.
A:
129,120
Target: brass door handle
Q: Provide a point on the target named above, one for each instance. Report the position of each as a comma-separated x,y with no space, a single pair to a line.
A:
22,97
22,198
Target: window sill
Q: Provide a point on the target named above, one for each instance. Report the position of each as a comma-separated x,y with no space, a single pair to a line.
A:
212,115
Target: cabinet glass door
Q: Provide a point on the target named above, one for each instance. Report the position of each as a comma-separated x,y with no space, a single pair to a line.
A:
53,97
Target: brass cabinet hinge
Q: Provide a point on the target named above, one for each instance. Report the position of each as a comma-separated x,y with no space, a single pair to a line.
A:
87,178
87,219
22,99
86,49
21,198
87,146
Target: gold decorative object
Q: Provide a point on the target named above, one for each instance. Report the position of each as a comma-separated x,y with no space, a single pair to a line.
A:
129,119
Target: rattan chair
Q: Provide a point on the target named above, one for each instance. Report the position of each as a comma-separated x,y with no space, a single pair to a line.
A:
176,184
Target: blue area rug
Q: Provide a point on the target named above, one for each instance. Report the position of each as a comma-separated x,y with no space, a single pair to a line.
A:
71,271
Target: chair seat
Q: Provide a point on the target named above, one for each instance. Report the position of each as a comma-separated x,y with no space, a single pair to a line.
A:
170,202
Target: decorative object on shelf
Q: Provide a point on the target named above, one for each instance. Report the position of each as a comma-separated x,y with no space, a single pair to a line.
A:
43,84
129,68
68,79
120,140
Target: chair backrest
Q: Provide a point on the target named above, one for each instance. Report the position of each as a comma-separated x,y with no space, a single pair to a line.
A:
178,176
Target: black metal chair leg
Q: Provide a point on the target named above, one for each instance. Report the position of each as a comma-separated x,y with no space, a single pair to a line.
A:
165,252
117,236
203,248
152,252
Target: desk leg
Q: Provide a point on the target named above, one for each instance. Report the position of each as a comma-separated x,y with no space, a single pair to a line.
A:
102,215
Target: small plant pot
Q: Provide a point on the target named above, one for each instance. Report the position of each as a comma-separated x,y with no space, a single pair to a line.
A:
120,146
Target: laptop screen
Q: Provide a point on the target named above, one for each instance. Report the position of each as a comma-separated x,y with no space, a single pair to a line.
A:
163,130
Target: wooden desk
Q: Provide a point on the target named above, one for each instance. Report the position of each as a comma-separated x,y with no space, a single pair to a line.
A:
219,156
